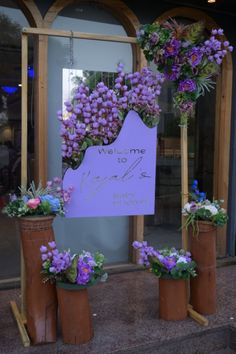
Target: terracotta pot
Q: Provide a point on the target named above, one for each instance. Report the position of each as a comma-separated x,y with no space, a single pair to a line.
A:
41,301
203,249
75,315
172,299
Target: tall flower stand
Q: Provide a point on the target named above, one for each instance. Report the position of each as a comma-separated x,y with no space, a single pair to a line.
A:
41,301
75,314
203,250
173,299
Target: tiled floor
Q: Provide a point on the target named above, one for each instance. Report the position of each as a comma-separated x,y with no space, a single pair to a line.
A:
125,318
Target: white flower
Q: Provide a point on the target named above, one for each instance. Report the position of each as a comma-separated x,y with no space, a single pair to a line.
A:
187,207
212,209
182,260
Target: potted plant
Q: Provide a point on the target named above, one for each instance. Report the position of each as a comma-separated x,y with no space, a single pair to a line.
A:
173,267
202,219
73,274
35,210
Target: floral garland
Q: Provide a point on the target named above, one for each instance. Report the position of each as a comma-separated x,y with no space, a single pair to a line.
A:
95,117
185,57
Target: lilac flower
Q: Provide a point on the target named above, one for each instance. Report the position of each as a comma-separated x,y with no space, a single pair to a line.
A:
187,85
52,244
43,249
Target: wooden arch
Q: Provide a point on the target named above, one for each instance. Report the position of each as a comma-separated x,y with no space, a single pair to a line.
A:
222,118
31,12
117,8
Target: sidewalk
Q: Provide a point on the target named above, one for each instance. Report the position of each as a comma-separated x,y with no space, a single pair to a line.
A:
125,317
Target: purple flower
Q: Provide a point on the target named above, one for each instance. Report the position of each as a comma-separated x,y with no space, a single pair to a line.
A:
172,48
84,271
187,85
195,56
172,73
43,249
52,244
154,38
169,262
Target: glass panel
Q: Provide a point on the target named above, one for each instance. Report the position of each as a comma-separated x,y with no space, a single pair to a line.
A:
109,235
11,22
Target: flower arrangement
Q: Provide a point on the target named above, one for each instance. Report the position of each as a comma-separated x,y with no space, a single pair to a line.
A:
166,263
39,201
185,57
95,117
82,269
200,208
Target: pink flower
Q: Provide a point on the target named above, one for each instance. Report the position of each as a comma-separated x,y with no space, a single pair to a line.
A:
33,203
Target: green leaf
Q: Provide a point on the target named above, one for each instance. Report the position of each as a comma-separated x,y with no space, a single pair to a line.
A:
71,273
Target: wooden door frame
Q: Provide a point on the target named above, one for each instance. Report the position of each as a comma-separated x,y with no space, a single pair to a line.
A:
222,118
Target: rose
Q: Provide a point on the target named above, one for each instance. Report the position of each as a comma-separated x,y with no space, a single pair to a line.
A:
212,209
33,203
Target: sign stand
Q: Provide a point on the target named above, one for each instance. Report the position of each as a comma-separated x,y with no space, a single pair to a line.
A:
20,315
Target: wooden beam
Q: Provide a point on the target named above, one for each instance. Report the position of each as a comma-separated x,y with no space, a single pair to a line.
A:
21,325
79,35
41,110
184,179
197,316
137,234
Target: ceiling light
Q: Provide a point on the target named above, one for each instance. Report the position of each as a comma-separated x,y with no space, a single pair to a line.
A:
211,1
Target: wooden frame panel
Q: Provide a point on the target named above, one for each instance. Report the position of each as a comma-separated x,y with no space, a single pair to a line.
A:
222,119
131,24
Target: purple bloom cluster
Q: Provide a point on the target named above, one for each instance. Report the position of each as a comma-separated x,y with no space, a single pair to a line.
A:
57,262
166,261
78,269
184,58
145,252
214,49
55,187
96,117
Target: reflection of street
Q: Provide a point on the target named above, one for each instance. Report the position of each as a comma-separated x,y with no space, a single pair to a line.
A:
10,248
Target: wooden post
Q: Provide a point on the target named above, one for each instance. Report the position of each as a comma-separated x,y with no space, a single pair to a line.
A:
184,179
24,141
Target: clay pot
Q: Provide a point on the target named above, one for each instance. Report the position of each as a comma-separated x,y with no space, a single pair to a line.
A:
41,301
75,315
172,299
203,250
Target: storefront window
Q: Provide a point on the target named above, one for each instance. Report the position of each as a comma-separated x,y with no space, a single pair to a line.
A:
11,22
